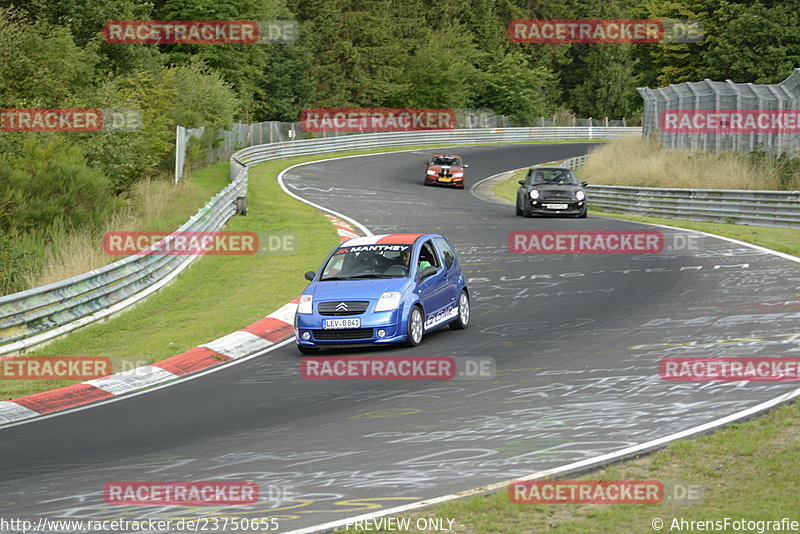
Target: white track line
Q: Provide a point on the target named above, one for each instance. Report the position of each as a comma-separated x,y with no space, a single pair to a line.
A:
178,380
11,411
583,465
589,463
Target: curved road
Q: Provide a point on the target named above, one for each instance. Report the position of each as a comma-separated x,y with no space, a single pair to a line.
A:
576,339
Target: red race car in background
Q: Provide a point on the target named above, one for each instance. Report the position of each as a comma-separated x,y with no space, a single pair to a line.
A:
445,170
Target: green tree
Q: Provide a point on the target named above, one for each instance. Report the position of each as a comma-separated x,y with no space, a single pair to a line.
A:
189,95
441,74
513,88
359,53
754,42
85,21
681,62
51,184
254,71
40,64
322,30
609,89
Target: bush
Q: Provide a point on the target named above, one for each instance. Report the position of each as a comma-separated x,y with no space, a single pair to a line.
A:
187,95
786,169
17,265
51,184
644,163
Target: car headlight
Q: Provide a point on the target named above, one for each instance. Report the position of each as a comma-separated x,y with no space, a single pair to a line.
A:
534,194
389,301
305,304
458,174
580,195
431,172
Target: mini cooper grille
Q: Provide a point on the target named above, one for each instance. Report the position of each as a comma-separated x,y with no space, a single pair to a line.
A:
343,307
557,198
347,333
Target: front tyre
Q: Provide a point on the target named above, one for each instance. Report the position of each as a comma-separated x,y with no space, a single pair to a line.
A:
416,325
462,320
307,350
526,210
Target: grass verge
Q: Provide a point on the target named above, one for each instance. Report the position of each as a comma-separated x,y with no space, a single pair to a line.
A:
507,189
647,164
745,471
785,240
216,295
781,239
156,205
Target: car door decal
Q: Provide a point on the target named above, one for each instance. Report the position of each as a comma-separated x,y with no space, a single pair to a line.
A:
441,316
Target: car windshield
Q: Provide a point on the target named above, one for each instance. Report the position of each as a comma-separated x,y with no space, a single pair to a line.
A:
368,261
441,160
554,177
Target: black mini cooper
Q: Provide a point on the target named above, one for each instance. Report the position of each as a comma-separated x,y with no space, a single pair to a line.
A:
551,191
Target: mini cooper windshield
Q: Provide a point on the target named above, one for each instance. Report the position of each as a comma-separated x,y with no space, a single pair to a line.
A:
554,177
368,261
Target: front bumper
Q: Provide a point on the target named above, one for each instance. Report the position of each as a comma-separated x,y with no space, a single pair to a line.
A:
539,207
371,323
436,180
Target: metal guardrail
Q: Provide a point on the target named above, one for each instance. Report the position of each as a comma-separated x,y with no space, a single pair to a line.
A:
753,207
441,138
40,314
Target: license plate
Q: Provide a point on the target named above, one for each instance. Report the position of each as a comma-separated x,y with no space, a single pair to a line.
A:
445,179
556,206
342,323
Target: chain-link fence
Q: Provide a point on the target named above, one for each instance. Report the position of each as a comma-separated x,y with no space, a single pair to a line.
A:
715,116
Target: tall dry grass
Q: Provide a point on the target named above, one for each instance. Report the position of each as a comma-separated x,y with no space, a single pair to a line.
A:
70,252
637,162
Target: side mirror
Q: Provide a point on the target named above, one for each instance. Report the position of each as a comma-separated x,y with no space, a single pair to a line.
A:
427,272
465,166
310,275
427,163
521,182
584,184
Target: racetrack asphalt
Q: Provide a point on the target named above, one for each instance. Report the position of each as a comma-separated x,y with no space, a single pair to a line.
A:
576,340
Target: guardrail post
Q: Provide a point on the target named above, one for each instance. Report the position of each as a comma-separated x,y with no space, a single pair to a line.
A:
180,151
241,205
